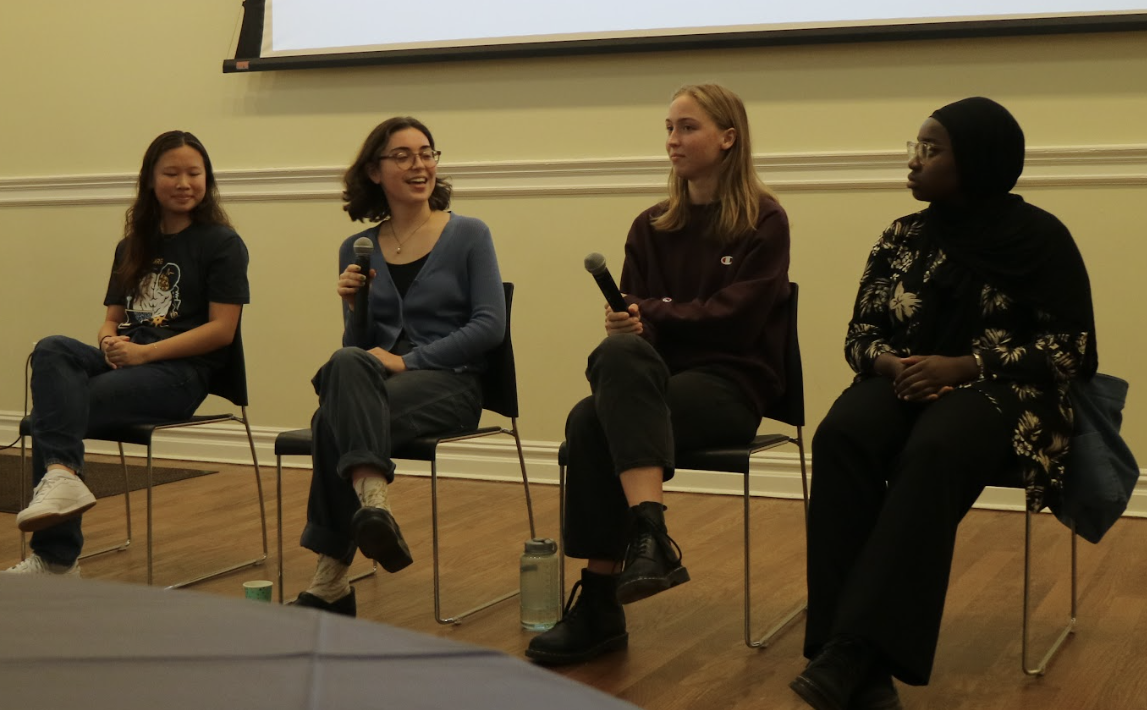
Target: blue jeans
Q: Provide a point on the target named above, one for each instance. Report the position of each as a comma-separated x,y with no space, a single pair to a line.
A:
76,394
364,414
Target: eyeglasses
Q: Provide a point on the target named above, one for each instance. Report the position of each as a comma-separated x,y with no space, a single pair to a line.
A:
922,151
405,159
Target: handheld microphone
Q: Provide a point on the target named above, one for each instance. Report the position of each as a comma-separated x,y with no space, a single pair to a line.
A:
595,265
362,251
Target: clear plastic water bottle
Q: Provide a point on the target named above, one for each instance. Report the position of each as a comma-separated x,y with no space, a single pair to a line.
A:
541,596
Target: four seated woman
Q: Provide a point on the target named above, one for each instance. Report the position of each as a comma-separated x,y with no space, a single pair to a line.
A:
972,317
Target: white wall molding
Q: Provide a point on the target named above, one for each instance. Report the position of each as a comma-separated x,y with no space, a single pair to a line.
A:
774,474
1113,165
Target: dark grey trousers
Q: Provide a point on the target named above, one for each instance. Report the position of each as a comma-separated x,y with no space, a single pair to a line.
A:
365,414
638,415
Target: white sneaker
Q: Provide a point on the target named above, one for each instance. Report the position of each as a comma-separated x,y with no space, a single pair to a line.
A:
60,495
38,565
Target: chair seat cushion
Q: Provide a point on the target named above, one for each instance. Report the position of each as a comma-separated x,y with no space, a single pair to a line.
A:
293,443
137,433
298,443
734,459
422,448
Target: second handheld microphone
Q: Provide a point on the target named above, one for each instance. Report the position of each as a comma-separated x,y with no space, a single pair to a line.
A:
595,265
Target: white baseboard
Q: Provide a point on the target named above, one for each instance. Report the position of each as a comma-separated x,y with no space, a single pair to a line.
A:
774,474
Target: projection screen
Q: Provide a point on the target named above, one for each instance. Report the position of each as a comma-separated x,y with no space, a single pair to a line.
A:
299,34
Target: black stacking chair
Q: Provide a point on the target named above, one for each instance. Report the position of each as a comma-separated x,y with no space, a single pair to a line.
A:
789,410
229,382
499,395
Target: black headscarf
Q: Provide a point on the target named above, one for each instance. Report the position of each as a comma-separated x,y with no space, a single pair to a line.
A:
998,238
988,145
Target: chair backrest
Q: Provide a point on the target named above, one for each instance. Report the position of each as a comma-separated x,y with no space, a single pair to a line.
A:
500,381
230,381
790,407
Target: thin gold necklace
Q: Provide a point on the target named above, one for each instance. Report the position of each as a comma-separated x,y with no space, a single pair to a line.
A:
400,242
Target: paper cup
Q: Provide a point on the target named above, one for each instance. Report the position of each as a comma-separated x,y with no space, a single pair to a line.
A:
259,590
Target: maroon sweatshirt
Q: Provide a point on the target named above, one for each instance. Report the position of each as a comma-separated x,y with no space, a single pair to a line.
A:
713,305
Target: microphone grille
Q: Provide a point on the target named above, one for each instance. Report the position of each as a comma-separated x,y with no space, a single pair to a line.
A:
363,246
595,263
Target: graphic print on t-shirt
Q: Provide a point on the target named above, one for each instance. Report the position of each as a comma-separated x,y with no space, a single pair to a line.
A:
158,300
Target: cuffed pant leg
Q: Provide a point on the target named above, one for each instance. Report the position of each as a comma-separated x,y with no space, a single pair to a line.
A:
350,428
364,415
596,515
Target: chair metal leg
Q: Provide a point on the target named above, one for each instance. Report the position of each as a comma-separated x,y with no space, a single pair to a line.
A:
262,517
562,534
791,616
23,494
447,620
126,509
1070,628
258,481
438,616
363,575
525,479
786,620
279,521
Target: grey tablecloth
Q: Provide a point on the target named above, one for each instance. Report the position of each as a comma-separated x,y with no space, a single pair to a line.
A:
93,645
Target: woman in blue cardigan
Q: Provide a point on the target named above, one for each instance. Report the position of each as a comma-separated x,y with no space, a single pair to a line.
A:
436,307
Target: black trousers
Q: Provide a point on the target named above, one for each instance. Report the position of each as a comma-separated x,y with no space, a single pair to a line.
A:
638,415
364,414
892,480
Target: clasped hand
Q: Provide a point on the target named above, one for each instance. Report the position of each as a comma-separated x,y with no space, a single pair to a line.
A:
119,352
925,378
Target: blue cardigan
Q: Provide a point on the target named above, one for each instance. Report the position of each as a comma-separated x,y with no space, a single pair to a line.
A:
454,311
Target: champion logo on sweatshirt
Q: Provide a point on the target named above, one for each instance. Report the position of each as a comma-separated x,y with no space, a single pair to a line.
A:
726,260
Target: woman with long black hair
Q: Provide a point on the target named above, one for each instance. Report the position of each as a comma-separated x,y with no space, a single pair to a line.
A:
177,289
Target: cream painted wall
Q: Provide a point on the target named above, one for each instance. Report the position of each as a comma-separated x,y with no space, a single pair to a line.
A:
84,91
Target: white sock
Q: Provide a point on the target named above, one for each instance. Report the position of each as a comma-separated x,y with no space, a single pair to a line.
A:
330,581
61,468
373,492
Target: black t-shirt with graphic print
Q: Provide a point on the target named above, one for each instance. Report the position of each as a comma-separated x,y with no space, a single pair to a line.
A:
202,264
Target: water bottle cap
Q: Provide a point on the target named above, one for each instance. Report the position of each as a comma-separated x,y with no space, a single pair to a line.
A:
541,546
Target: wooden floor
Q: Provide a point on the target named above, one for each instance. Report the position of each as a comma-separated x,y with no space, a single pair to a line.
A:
685,645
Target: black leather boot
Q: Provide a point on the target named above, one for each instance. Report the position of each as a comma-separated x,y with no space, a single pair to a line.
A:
593,623
653,559
377,534
833,677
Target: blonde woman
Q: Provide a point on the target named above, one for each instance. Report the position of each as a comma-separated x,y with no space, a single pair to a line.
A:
693,362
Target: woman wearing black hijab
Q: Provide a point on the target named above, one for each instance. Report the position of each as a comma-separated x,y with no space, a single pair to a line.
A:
972,317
